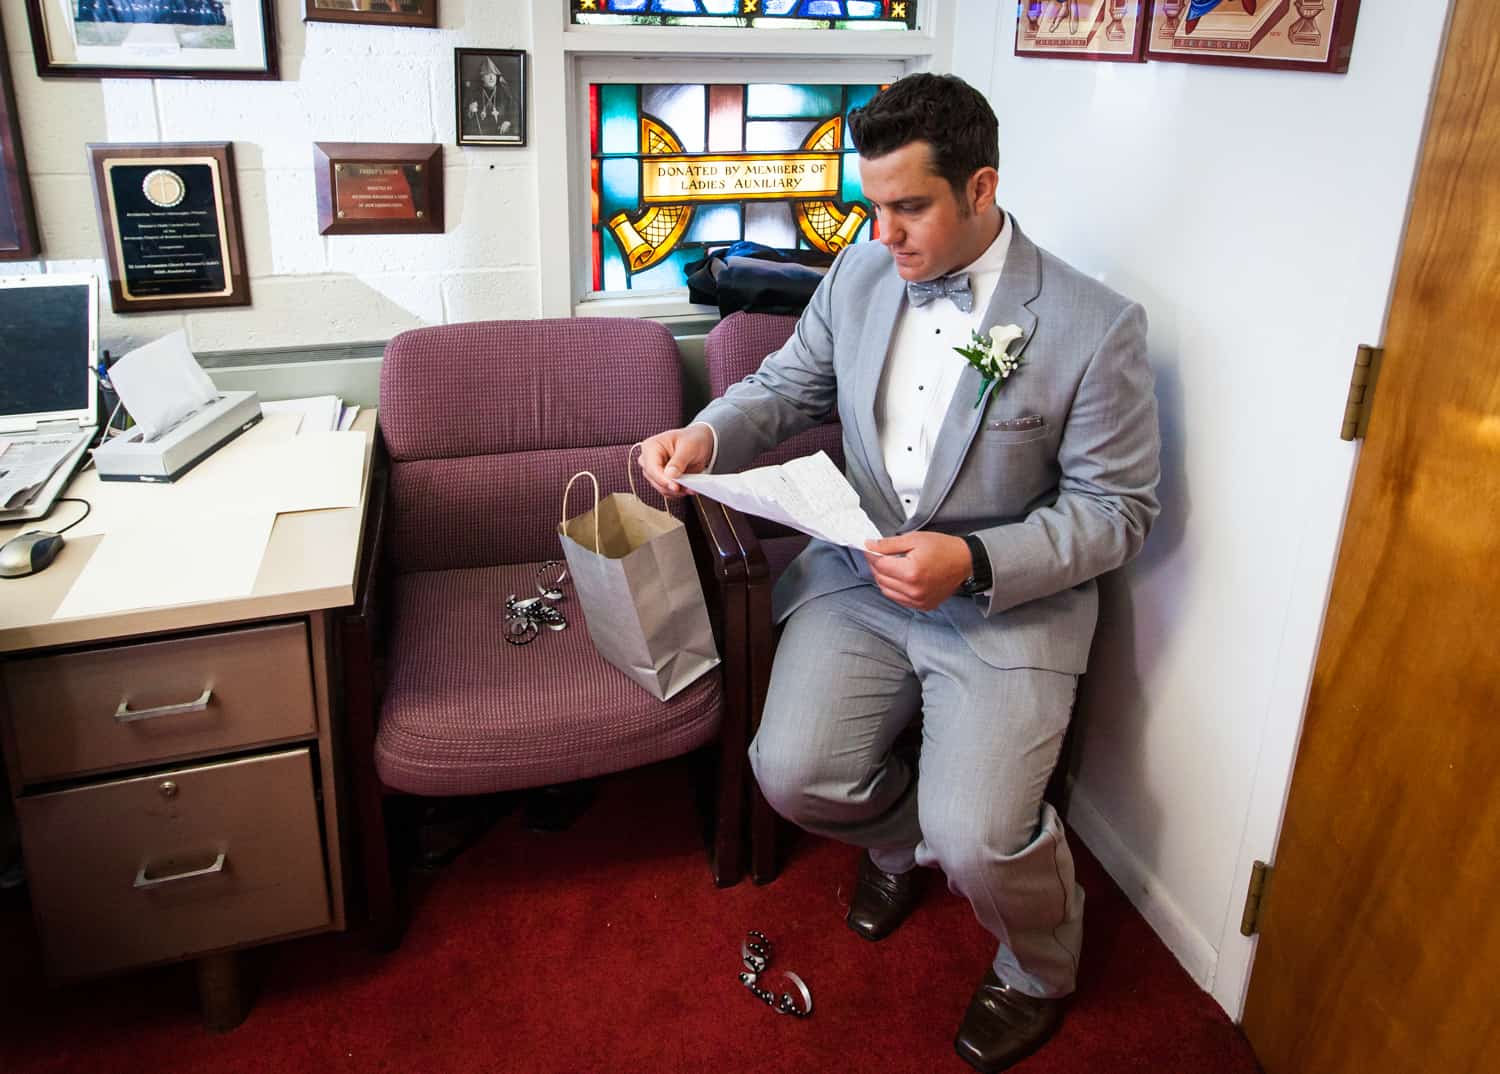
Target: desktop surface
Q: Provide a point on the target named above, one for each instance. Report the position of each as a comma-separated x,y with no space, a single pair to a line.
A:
310,564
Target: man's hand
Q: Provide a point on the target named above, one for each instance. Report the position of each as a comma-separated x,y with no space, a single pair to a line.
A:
920,570
667,456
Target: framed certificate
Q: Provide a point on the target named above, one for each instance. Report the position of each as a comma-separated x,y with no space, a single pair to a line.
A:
378,188
373,12
169,215
154,38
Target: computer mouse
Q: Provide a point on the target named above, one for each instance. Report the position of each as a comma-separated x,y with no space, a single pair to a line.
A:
26,553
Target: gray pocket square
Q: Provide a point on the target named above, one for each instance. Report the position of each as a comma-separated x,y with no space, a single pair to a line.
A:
1011,425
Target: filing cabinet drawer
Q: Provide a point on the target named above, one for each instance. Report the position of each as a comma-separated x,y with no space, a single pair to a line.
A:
90,711
175,864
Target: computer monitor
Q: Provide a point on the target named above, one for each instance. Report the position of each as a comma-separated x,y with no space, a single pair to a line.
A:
49,337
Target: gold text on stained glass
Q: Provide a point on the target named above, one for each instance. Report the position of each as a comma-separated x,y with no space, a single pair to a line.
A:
738,177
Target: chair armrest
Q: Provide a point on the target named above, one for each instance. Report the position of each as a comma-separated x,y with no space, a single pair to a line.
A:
361,632
738,556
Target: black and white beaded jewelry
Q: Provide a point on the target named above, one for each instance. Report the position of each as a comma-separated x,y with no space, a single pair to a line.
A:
755,953
549,579
523,618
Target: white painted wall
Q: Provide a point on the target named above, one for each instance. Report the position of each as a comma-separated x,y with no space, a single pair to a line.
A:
1257,215
339,84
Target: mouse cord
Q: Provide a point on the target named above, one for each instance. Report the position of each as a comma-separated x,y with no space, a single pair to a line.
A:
87,507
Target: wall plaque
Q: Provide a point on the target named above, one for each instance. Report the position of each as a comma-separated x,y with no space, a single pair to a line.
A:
169,218
375,188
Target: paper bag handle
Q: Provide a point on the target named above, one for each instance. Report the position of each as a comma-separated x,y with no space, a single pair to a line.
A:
630,475
563,524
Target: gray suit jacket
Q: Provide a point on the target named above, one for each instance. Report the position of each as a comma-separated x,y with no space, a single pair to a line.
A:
1056,470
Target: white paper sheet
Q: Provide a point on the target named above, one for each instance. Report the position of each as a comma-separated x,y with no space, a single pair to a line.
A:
347,421
161,383
809,494
267,468
197,559
319,413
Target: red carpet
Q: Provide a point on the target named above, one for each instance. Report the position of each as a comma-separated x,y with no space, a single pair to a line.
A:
606,948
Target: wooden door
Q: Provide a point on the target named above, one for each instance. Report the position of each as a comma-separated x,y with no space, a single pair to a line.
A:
1380,938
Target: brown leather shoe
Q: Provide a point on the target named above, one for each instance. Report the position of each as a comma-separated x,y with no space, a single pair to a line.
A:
1003,1026
881,900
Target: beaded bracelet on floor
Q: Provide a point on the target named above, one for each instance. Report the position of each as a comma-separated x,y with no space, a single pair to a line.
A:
755,954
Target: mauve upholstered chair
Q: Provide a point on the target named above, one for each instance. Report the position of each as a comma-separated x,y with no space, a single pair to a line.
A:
482,425
732,351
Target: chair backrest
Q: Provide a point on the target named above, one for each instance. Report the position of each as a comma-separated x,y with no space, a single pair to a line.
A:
485,423
734,349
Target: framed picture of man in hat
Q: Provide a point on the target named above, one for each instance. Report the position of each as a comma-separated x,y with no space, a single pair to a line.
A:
490,96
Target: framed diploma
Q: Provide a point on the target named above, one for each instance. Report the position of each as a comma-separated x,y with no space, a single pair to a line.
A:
169,215
154,38
373,12
378,188
18,237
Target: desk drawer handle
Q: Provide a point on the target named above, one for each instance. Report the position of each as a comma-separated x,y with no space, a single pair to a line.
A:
124,715
142,881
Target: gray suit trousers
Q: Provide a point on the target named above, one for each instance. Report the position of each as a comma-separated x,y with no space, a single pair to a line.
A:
852,669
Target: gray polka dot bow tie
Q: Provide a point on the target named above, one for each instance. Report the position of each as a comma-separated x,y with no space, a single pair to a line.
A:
955,287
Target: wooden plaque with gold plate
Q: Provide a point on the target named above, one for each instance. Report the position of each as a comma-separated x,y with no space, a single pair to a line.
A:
379,188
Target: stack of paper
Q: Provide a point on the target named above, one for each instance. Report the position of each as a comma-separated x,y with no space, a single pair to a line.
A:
317,413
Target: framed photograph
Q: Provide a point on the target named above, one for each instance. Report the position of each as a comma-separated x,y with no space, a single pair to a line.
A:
490,96
378,188
1294,35
170,217
373,12
1083,29
18,235
154,38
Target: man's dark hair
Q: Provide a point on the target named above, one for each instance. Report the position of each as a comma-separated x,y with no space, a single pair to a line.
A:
942,110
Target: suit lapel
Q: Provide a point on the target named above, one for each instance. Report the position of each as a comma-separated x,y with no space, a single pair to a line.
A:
1020,283
885,305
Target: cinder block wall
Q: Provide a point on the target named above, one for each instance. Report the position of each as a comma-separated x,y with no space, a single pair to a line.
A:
339,83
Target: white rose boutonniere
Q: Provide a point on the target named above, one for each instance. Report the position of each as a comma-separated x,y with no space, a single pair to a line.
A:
988,354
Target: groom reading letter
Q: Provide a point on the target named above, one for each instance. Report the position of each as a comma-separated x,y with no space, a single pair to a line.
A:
1006,480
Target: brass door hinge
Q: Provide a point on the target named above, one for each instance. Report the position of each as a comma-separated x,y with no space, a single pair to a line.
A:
1260,872
1361,391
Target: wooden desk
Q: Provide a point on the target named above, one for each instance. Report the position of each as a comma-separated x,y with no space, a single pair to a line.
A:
174,769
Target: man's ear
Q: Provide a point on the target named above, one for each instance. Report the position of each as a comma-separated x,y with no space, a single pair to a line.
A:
983,185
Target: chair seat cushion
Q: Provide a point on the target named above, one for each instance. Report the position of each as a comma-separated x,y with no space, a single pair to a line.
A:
465,712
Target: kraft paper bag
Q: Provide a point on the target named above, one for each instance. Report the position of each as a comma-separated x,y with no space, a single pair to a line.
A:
635,579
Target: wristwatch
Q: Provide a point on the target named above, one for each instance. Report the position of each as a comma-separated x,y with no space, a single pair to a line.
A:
981,576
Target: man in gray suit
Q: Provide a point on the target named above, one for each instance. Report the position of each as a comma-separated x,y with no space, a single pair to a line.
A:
1002,501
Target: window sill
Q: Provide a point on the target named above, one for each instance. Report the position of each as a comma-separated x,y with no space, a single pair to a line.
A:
670,308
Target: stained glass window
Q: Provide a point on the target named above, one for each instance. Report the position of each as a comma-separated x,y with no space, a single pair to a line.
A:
678,168
755,14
